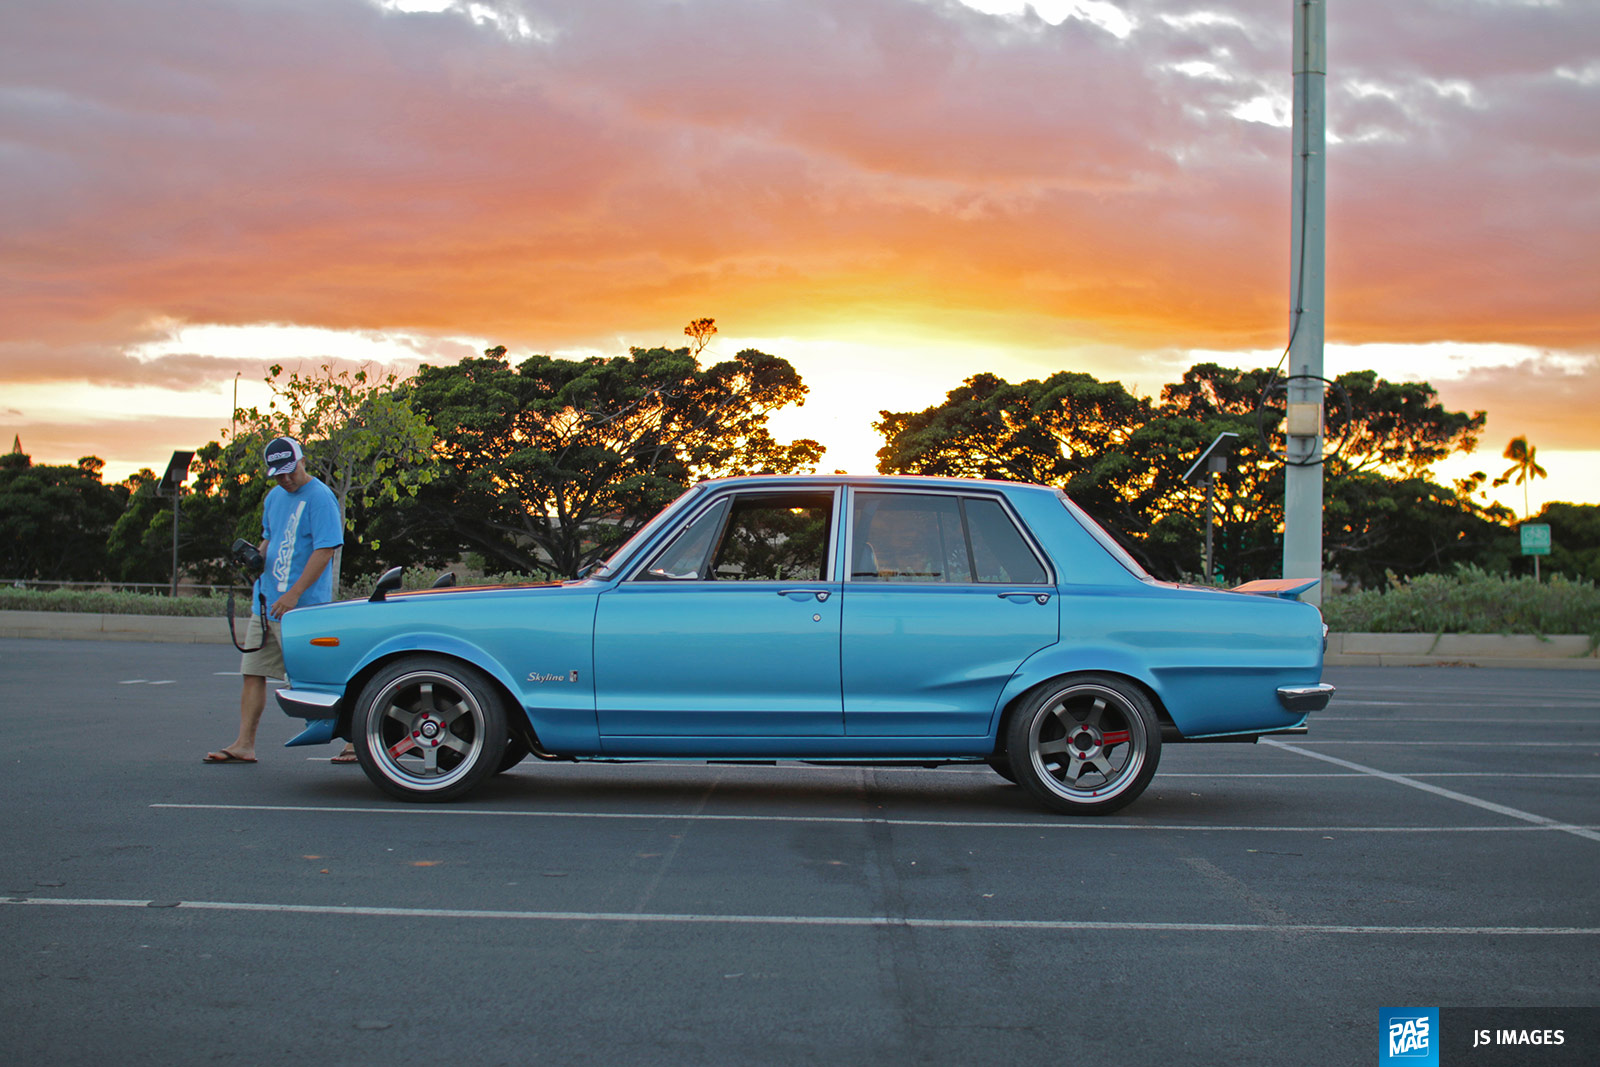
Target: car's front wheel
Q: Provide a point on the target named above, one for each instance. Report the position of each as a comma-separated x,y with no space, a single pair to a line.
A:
1085,744
1001,765
429,728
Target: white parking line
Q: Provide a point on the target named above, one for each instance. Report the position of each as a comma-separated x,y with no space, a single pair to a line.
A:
1498,722
664,816
1563,706
871,921
1408,774
1449,794
1457,744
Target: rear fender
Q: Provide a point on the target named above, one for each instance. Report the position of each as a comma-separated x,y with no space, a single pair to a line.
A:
1056,661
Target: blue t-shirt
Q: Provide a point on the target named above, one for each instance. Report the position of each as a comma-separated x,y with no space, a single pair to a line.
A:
294,525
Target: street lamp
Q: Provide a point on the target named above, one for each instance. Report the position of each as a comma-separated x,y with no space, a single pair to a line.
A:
172,482
1213,461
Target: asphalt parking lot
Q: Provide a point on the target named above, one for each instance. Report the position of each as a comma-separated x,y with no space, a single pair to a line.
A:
1435,840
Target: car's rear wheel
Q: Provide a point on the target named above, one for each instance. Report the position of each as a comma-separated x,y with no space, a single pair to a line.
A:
1085,744
516,751
429,728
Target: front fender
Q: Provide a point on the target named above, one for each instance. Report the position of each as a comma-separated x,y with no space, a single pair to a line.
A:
564,721
443,644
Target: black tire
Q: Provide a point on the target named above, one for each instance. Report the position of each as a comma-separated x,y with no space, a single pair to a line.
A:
1085,744
429,728
516,751
1001,765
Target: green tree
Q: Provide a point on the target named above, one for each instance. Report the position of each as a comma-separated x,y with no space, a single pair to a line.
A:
700,332
1207,401
1068,430
552,463
1123,459
221,502
1574,539
1523,465
54,520
1375,526
1395,426
362,437
1119,456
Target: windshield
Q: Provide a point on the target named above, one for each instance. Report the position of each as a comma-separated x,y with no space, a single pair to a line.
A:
609,566
1107,542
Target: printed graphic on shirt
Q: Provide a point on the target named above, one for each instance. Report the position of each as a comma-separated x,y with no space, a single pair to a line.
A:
284,564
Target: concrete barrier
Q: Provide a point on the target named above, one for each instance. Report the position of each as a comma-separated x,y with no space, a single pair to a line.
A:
84,626
1559,652
1563,652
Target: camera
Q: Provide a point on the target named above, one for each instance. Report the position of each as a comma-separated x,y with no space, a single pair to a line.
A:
247,557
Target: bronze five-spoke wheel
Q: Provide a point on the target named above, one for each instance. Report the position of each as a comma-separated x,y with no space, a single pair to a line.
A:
1085,744
429,728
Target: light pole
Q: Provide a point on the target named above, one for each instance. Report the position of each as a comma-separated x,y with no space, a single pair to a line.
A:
172,481
1214,461
1302,486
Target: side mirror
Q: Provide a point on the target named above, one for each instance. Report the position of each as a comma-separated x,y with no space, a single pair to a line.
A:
444,581
387,584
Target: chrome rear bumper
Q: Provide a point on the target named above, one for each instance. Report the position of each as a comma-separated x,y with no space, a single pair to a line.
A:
1301,699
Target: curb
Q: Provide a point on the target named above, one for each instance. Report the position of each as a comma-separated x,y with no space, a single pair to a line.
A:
1553,652
1559,652
84,626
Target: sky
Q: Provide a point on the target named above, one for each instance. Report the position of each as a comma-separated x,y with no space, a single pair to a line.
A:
891,194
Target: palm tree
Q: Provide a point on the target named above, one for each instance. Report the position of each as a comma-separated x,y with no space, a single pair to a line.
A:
1520,453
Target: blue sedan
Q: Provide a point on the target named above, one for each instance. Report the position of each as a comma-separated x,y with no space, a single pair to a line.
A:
851,619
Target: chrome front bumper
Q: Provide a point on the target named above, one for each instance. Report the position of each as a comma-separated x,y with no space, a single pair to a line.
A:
1298,699
306,704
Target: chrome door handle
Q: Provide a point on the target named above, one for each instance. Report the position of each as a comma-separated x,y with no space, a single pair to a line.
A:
820,594
1041,598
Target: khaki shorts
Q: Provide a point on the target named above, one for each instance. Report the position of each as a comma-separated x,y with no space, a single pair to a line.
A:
266,661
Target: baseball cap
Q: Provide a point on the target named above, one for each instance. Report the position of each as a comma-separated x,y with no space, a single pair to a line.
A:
283,455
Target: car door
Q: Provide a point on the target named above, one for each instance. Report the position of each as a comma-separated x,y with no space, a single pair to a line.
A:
730,630
945,597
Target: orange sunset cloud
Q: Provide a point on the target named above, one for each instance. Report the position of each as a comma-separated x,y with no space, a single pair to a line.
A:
944,189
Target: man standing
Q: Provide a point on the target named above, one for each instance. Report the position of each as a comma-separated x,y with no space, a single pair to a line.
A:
300,530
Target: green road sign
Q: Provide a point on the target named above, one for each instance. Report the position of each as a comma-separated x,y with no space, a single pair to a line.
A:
1535,539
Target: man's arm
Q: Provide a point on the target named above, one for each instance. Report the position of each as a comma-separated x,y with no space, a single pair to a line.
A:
316,563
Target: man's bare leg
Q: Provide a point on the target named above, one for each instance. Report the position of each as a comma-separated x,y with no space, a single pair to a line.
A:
252,702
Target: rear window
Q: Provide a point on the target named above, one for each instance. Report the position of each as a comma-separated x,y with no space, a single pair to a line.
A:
1107,542
938,537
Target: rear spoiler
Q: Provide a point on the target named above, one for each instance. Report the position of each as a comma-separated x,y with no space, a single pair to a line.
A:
1285,588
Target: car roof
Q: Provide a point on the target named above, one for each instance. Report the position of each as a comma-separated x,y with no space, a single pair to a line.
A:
909,481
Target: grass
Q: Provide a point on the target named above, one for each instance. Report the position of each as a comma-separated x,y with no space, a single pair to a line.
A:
102,602
117,603
1470,601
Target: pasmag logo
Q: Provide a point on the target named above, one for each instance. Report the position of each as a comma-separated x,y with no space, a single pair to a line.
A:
1408,1036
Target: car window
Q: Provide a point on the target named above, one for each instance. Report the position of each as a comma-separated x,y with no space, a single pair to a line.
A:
775,537
909,538
999,552
925,537
684,558
1106,541
619,557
